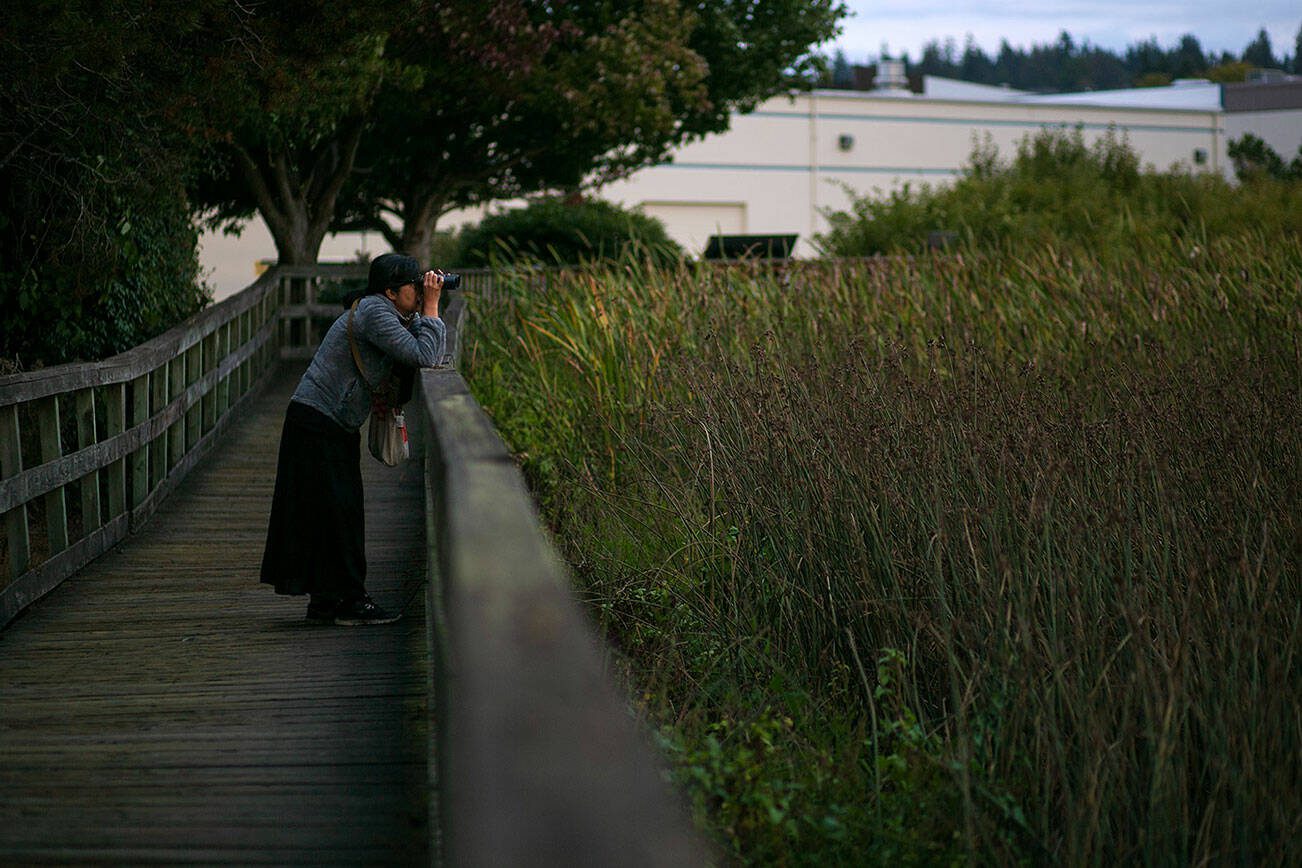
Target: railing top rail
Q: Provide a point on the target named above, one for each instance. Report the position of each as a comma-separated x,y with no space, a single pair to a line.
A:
540,757
136,361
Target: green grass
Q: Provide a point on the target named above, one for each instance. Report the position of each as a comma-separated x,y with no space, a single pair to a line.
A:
989,558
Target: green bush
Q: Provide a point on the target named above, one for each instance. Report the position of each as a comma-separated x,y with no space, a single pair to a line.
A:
555,231
127,271
1254,160
1059,191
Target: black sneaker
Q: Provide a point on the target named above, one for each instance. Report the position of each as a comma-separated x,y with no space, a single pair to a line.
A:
360,612
321,611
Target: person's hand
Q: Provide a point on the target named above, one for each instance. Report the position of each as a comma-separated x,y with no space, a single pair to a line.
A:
433,288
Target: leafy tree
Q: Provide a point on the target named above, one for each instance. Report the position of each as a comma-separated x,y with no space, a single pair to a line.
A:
1297,52
286,129
1187,60
97,113
975,65
545,97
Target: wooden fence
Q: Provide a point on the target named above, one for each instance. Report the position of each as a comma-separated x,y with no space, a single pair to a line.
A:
88,451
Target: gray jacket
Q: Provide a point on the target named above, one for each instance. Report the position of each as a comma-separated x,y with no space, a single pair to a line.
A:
332,383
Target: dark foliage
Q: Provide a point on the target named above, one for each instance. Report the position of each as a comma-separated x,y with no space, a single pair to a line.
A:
1066,65
97,252
1255,160
554,231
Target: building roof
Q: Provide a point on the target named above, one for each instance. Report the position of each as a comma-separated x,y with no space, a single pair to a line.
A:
1194,94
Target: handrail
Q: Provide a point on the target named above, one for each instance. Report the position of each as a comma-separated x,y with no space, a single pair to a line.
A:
123,432
539,761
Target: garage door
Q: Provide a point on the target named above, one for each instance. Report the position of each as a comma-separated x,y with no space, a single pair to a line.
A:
692,223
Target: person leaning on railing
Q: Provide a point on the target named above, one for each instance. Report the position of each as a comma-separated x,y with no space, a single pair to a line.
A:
315,537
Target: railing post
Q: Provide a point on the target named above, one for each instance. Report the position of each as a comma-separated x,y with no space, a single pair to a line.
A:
208,409
244,338
11,464
193,415
89,484
159,389
56,512
175,431
115,417
224,384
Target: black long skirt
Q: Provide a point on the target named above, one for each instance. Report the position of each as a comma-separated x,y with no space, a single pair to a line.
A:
317,532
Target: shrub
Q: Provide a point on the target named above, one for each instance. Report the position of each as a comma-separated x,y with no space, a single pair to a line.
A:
1059,191
555,231
1255,160
127,270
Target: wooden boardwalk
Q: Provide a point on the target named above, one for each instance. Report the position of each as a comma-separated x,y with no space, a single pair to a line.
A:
163,706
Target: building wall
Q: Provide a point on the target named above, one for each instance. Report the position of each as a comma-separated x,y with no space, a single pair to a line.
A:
1279,128
780,167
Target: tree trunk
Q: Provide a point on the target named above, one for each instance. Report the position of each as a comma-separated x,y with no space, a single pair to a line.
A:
297,206
421,214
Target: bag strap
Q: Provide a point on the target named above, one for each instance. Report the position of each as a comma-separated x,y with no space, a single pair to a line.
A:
352,342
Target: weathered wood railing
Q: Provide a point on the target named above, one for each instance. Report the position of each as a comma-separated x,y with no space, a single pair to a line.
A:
539,761
88,451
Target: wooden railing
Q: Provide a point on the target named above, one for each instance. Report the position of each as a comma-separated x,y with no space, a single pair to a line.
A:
88,451
117,436
539,761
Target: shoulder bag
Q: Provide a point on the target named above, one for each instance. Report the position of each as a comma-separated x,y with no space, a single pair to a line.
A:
387,436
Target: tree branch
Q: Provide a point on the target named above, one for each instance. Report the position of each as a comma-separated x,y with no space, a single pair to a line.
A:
323,206
277,220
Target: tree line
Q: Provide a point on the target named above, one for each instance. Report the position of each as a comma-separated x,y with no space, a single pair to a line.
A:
123,131
1066,65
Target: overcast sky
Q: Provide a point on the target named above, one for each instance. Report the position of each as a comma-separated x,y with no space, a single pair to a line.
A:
905,25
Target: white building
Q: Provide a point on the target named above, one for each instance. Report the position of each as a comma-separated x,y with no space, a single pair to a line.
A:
778,169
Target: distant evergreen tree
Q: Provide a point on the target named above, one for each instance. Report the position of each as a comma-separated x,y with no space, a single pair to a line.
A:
1259,54
974,65
1067,66
1187,59
842,74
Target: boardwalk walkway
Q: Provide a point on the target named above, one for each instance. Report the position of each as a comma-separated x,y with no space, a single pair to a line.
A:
161,705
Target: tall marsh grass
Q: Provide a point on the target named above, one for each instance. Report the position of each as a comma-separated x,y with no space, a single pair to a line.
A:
979,558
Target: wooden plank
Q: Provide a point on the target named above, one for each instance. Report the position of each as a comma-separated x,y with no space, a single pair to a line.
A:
11,463
89,481
56,514
115,418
